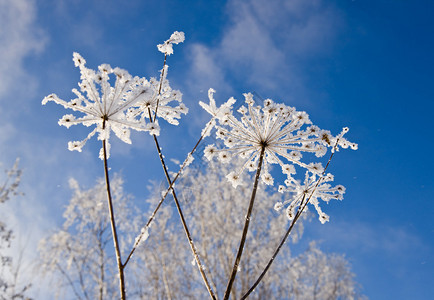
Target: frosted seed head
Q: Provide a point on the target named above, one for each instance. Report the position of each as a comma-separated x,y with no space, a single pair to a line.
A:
224,157
267,179
295,155
210,151
67,120
176,38
320,150
288,169
79,61
249,98
324,218
75,145
278,206
234,179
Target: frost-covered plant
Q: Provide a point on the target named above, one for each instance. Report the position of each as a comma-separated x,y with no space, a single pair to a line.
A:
278,130
78,256
262,136
309,188
103,105
126,106
159,98
10,285
272,134
317,275
167,49
213,213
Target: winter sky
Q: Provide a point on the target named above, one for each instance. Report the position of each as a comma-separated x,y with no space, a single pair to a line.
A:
365,64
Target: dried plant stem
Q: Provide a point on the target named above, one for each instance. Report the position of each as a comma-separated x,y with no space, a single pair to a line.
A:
113,225
151,218
159,89
246,227
300,210
181,215
297,215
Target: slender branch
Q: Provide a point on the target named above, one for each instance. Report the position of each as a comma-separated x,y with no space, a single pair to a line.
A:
159,89
171,189
297,215
181,215
101,266
300,210
71,283
246,227
113,224
148,224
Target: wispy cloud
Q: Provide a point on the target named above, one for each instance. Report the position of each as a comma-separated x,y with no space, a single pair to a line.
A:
390,243
20,37
266,44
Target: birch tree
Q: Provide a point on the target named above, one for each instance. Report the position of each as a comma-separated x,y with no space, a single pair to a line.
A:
79,256
10,286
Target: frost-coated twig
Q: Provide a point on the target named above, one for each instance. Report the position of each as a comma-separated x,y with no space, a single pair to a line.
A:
300,210
246,227
113,224
159,89
151,218
181,215
298,214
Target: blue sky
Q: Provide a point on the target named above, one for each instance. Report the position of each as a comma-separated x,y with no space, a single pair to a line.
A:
367,65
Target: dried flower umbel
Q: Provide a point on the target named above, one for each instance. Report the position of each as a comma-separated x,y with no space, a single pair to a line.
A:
312,189
282,131
160,98
103,105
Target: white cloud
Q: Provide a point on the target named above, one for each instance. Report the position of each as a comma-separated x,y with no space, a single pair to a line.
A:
19,37
265,44
207,69
390,241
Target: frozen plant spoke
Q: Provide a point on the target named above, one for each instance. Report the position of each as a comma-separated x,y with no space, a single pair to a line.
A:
103,105
284,132
313,186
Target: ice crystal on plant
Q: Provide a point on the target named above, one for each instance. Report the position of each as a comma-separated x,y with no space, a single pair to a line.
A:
176,38
282,131
214,111
234,179
103,105
311,189
142,237
160,98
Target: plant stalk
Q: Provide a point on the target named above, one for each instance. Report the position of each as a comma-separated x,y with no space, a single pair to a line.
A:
162,199
181,215
113,225
297,215
246,227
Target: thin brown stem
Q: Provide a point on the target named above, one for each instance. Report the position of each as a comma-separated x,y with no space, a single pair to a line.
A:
181,215
148,224
300,210
113,224
246,227
159,89
297,215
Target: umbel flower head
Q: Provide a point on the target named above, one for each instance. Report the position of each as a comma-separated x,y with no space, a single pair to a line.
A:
311,190
160,99
280,130
176,38
103,105
214,111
